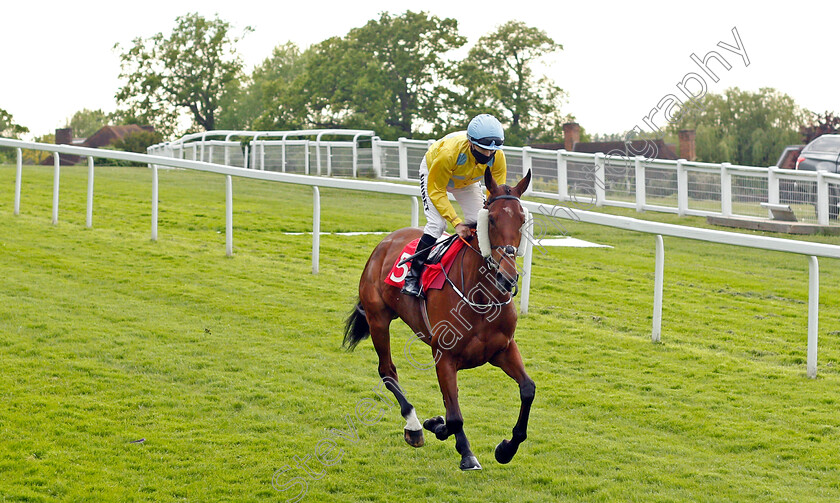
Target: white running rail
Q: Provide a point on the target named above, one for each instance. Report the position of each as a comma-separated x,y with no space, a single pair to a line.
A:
682,187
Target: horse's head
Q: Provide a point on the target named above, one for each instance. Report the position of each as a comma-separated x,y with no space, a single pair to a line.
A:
501,226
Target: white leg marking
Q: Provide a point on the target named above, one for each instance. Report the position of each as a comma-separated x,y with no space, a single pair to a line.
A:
411,422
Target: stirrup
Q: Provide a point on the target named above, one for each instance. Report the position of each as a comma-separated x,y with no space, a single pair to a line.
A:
417,291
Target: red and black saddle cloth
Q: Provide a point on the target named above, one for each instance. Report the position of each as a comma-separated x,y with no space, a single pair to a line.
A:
440,257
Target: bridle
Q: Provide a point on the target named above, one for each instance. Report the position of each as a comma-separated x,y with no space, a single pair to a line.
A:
508,251
485,251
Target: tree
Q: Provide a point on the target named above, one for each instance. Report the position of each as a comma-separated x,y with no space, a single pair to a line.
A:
300,99
36,156
388,75
86,122
742,127
137,142
404,57
253,100
327,92
189,71
608,137
818,125
499,78
9,129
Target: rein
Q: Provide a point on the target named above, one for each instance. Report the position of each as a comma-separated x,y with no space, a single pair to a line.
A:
509,251
461,294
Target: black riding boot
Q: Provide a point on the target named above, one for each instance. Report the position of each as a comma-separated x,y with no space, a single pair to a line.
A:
412,280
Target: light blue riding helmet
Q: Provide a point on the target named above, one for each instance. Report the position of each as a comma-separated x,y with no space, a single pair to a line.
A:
486,132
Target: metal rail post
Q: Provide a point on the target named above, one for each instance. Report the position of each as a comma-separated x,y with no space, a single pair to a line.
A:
376,156
813,314
773,185
526,276
682,188
659,276
415,212
229,215
18,176
822,199
562,177
402,150
725,190
600,179
527,165
641,196
89,207
316,228
56,176
154,202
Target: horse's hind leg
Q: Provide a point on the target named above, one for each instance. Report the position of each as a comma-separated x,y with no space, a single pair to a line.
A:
380,334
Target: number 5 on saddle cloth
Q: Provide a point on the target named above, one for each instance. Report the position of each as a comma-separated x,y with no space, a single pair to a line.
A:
441,256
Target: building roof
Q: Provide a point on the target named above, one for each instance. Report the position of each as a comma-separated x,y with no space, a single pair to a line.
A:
109,134
548,146
636,147
102,138
640,147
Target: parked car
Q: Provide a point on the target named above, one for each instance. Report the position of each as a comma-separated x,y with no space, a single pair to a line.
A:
789,156
789,191
822,154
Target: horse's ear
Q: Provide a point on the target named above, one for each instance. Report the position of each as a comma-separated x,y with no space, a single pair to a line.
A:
522,186
489,181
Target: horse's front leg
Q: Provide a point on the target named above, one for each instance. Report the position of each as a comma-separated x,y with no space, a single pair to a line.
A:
511,362
454,424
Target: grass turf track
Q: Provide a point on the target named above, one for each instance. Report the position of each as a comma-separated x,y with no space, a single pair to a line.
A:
231,367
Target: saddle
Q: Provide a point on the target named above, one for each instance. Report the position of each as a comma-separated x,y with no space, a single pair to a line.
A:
436,254
440,257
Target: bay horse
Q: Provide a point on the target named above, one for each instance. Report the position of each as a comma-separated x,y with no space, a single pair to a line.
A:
467,323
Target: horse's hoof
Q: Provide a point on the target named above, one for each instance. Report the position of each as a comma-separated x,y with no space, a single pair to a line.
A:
414,438
505,451
433,422
470,463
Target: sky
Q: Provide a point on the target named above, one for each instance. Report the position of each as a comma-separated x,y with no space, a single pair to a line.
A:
619,59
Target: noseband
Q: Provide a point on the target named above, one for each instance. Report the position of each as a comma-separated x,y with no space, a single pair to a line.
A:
483,232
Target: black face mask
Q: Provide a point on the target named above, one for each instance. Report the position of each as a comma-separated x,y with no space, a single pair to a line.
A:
481,158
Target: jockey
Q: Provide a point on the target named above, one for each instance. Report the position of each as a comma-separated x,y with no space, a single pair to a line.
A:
455,164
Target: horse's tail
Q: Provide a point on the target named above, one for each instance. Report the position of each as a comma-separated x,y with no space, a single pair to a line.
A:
356,328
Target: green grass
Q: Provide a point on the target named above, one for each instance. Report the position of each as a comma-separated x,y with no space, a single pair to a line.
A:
229,368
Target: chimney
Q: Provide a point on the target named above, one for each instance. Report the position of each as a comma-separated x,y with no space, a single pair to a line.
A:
571,135
687,146
64,136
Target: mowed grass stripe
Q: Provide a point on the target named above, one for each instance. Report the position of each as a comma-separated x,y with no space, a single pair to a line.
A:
231,367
